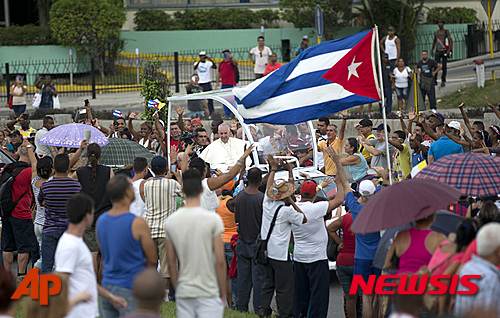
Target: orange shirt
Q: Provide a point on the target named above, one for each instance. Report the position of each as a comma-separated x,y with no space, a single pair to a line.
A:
228,219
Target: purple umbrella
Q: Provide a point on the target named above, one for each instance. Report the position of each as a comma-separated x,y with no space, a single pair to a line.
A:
402,203
72,135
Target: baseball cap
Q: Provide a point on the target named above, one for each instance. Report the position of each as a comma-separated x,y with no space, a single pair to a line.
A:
159,162
391,28
366,188
203,53
15,133
385,55
308,188
439,116
305,37
454,124
195,121
228,187
365,122
226,50
381,127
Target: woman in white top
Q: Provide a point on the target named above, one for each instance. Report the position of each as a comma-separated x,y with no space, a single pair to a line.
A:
208,199
18,92
144,138
400,77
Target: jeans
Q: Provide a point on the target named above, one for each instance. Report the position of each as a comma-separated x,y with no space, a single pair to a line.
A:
210,102
443,60
388,99
227,112
109,311
312,289
279,277
38,234
402,93
196,114
19,109
432,96
250,274
234,281
49,244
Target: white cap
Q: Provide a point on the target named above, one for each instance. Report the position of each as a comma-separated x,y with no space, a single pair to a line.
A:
454,124
203,53
305,37
366,188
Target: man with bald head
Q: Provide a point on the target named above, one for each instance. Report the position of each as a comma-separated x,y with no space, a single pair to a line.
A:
225,151
149,292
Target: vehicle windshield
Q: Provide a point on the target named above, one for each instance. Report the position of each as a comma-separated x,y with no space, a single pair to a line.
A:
4,159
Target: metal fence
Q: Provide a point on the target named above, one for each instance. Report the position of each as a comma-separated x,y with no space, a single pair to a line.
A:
122,73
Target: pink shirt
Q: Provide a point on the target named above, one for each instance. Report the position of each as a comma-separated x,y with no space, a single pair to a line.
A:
416,255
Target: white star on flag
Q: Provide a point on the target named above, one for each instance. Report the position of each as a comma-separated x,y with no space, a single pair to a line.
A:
352,69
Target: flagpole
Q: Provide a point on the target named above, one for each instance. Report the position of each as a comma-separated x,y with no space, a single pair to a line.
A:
381,85
167,133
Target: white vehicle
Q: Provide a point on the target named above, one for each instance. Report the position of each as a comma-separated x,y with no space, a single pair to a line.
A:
226,98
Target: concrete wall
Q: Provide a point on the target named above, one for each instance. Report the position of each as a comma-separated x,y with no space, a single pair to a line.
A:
37,53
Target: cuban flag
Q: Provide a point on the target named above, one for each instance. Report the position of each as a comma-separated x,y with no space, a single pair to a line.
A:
325,79
153,103
117,113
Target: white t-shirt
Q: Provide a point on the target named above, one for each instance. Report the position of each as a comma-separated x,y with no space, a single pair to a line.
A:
137,207
73,256
277,247
321,159
208,198
203,71
265,147
261,59
401,77
191,231
311,237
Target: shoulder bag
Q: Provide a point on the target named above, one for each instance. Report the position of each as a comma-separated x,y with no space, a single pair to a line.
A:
260,250
37,99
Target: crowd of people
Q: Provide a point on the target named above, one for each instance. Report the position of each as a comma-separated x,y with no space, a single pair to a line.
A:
189,231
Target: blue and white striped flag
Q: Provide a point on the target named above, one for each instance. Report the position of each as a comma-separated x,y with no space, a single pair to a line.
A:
324,79
117,113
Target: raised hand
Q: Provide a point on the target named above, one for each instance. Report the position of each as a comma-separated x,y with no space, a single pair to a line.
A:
179,110
272,162
411,114
463,103
421,117
285,165
326,182
344,113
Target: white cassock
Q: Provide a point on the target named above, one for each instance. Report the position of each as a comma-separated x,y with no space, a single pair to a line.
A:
223,155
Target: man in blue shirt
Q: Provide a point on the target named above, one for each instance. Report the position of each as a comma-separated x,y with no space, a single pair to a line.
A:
442,147
304,45
366,244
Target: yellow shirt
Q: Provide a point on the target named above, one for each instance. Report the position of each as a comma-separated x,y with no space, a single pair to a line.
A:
25,133
402,166
365,152
330,168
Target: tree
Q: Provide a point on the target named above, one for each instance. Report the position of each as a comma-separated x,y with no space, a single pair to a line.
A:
336,14
452,15
44,12
404,15
92,26
155,85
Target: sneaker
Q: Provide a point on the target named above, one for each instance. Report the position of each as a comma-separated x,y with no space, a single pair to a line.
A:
443,84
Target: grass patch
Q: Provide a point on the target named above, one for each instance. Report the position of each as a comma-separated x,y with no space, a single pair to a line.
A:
473,96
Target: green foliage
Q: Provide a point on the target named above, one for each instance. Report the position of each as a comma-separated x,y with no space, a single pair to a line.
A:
25,35
452,15
404,15
155,85
152,20
209,19
336,14
92,26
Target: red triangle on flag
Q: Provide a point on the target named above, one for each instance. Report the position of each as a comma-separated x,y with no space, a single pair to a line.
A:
355,71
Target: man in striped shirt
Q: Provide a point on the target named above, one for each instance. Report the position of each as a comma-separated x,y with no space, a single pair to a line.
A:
54,195
160,196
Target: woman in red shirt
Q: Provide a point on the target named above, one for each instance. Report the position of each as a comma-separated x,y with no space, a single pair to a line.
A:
345,259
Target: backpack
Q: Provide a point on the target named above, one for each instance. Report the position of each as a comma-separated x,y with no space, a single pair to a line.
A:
236,72
7,178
